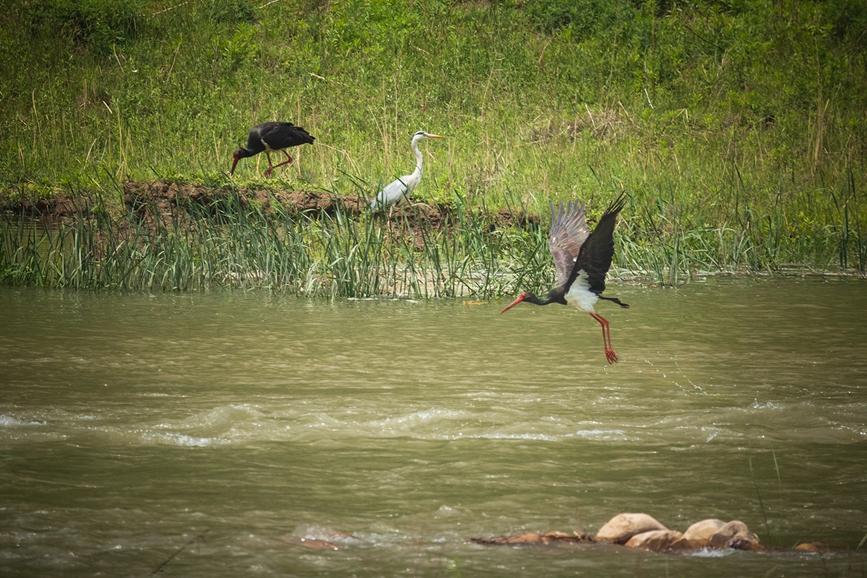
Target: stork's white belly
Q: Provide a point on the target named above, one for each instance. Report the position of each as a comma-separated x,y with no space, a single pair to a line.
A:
580,295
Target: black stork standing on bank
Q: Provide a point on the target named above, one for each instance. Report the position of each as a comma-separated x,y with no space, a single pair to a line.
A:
581,259
271,136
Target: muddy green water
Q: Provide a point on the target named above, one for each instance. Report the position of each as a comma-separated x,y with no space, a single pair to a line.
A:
129,424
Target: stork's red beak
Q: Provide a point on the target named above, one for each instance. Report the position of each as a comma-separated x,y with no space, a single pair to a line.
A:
234,162
515,302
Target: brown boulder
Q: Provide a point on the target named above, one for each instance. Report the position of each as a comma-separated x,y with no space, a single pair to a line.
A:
734,534
622,527
702,531
655,540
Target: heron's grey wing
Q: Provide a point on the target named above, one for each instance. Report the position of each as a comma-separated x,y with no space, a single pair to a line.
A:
596,253
568,232
390,193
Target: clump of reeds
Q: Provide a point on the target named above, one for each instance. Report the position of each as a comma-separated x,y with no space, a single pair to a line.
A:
468,249
189,246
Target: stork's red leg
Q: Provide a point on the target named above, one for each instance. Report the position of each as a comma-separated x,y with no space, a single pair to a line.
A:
270,166
606,338
286,162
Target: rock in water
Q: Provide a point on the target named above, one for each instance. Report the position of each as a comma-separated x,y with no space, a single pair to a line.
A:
310,543
622,527
699,533
811,547
655,540
535,538
734,534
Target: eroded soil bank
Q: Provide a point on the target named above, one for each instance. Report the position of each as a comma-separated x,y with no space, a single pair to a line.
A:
171,199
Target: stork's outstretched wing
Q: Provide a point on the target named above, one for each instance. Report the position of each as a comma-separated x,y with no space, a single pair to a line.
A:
595,255
568,233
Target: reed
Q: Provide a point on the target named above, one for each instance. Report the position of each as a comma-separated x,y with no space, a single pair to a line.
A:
467,250
190,246
761,502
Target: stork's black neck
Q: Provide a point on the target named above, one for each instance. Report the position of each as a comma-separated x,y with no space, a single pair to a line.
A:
531,298
555,295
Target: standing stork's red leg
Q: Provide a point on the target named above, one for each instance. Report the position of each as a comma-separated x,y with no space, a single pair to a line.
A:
286,162
606,338
270,166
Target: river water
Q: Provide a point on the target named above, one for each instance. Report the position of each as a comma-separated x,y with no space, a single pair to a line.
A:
236,424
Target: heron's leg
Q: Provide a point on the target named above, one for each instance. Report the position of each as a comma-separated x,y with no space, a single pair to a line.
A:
606,338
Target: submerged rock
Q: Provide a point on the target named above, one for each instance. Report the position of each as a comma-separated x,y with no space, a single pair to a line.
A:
655,540
317,537
812,548
535,538
744,543
310,542
320,532
622,527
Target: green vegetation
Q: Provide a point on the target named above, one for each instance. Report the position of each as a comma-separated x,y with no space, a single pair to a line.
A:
737,127
231,242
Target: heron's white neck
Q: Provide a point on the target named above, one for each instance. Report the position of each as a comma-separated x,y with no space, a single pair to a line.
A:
419,159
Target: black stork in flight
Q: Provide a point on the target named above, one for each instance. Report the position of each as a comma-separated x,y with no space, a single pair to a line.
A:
581,259
271,136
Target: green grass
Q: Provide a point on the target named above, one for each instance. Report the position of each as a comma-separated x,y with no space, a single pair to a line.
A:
737,128
189,246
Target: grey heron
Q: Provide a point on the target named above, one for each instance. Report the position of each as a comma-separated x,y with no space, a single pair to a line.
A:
399,188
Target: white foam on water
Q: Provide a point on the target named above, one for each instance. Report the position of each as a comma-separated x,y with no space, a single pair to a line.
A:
766,405
526,436
708,553
221,425
407,424
8,421
183,440
599,434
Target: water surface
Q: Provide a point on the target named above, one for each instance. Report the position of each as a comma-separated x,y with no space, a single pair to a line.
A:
130,424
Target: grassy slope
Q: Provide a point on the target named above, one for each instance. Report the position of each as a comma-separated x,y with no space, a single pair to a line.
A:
738,128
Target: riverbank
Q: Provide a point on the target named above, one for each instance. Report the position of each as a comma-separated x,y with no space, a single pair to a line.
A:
175,237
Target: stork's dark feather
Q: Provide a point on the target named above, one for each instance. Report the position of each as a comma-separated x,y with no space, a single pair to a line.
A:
568,232
268,137
596,252
277,136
